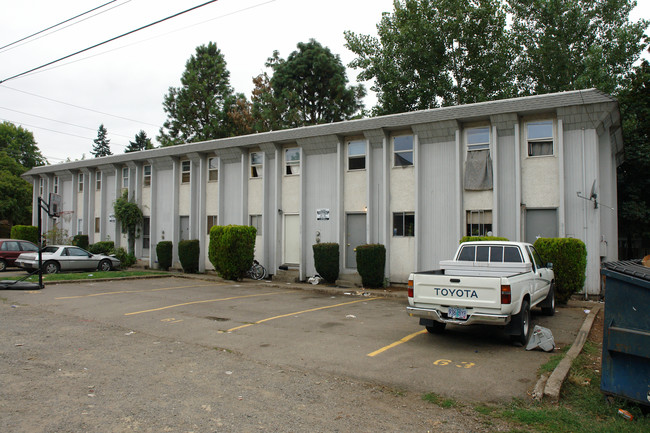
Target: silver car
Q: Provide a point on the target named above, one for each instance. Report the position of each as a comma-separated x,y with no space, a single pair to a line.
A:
66,258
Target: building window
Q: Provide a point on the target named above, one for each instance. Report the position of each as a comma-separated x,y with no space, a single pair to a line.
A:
80,183
404,224
212,221
186,167
256,221
55,188
357,155
292,161
146,235
478,138
41,187
539,136
257,167
80,223
125,177
403,149
98,180
213,169
96,224
146,175
479,223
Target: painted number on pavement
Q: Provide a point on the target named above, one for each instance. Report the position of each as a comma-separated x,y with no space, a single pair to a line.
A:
462,364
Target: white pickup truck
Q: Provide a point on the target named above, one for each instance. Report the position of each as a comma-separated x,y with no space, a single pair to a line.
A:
490,283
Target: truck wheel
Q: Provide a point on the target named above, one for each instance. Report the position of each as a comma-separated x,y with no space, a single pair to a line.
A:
523,322
548,304
436,328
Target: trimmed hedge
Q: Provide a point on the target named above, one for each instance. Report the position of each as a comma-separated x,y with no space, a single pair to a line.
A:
105,247
371,262
231,250
25,233
164,251
482,238
569,258
326,260
126,260
188,254
80,241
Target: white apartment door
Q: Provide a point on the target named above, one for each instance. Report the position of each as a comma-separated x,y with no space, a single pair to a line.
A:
355,236
292,239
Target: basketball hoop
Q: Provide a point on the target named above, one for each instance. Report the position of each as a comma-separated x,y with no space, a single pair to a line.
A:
66,215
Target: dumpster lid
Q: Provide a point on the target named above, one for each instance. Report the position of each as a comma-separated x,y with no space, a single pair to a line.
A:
634,268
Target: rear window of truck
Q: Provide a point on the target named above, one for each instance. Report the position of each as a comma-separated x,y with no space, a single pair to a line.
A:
490,253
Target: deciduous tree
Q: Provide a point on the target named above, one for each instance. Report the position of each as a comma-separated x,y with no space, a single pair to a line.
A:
20,145
15,192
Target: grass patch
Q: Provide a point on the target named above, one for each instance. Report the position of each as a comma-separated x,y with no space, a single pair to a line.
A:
434,398
93,275
550,365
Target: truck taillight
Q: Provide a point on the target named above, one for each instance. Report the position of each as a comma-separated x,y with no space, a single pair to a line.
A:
505,295
410,292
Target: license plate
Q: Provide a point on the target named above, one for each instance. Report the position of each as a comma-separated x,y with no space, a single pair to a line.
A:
457,313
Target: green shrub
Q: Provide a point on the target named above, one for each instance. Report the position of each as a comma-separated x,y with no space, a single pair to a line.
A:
25,233
126,260
482,238
80,241
231,250
164,251
105,247
188,254
326,260
371,262
569,258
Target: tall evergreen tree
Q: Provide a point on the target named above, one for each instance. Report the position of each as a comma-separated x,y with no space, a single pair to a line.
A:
197,110
101,146
142,142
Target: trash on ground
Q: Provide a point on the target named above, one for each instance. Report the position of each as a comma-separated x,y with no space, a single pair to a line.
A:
350,316
625,414
228,372
130,333
315,280
542,338
587,311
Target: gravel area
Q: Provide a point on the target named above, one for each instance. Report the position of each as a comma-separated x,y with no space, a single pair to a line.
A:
67,374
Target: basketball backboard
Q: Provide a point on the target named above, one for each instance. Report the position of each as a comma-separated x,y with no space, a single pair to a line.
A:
54,205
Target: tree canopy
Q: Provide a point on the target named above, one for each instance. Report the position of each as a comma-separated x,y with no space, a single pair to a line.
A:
308,88
15,192
20,145
197,110
142,142
102,143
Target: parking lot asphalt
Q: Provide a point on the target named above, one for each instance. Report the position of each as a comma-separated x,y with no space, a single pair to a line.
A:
331,331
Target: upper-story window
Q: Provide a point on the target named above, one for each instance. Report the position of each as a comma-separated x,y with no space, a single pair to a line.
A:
146,175
257,166
55,187
403,150
539,136
125,177
213,169
41,187
186,167
98,180
80,183
292,161
478,138
356,155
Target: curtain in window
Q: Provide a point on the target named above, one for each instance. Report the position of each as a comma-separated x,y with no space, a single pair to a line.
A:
478,171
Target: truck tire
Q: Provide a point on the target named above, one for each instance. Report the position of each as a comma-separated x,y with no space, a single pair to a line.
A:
436,327
523,324
548,304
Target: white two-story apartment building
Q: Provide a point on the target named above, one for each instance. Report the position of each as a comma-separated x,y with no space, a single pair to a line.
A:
416,182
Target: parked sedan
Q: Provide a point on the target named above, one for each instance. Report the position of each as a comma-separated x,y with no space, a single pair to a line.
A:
10,249
58,258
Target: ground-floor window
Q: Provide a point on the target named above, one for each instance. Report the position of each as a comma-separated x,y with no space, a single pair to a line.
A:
146,235
212,221
479,223
256,221
404,224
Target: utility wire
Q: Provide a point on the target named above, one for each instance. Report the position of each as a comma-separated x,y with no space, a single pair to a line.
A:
107,41
56,25
63,28
79,107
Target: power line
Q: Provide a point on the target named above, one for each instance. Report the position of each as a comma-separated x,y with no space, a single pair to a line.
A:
107,41
2,49
79,107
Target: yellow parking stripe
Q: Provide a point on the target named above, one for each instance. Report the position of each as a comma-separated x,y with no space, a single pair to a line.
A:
299,312
207,300
138,291
397,343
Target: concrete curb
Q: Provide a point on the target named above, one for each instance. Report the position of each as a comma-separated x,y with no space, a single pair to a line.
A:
553,384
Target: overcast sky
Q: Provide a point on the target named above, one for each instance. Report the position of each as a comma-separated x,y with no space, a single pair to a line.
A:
125,81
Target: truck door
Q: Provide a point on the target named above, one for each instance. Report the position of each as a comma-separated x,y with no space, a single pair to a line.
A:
541,278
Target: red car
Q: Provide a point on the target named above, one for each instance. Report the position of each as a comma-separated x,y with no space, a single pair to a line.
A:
10,249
